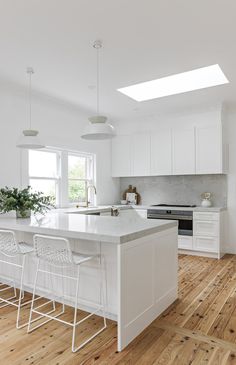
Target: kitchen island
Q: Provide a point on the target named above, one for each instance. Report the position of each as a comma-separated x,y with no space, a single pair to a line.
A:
140,256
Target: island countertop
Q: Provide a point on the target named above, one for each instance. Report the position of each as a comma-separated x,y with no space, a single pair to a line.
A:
79,226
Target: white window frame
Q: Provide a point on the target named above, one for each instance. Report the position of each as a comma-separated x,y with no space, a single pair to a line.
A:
62,178
89,170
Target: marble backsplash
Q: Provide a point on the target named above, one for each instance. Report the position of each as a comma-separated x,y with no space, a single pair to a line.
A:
185,189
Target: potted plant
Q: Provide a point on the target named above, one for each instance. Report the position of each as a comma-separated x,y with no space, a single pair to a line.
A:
24,201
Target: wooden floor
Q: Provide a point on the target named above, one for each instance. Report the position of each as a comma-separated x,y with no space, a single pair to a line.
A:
199,328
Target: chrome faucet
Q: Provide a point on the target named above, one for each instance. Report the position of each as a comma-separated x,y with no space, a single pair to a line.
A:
87,189
86,196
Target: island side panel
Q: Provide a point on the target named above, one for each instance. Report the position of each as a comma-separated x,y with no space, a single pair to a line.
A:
147,282
89,284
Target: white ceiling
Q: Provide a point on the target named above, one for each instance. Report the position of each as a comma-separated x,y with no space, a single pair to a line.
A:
142,40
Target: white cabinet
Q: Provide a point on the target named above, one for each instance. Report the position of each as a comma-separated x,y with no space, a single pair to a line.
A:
205,244
140,155
206,228
179,151
206,232
209,235
209,152
161,153
185,242
183,149
121,156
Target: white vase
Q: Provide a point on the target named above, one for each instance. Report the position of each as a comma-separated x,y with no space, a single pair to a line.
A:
206,203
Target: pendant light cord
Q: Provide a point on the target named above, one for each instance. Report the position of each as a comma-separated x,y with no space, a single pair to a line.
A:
98,81
30,109
30,72
97,45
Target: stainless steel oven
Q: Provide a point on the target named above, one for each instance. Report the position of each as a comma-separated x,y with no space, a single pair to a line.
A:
184,217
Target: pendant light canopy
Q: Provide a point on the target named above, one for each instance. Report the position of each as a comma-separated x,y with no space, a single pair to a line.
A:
30,139
98,128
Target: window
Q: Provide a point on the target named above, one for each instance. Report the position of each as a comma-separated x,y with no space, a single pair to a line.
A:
79,177
62,174
44,172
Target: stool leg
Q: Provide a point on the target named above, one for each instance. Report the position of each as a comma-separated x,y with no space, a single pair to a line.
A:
51,278
103,289
33,297
20,295
74,349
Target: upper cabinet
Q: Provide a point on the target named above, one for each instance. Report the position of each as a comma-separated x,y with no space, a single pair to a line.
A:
121,156
161,152
209,151
183,150
177,151
140,153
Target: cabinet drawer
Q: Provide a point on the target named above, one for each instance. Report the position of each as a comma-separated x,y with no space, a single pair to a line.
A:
209,244
206,228
206,216
185,242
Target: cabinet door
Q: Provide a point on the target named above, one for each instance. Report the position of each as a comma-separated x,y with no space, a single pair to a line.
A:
140,155
206,228
183,151
185,242
208,244
161,149
208,149
121,156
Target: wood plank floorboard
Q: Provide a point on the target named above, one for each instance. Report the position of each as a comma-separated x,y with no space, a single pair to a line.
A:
199,328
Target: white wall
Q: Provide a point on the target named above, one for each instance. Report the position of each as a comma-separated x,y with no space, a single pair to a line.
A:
196,117
60,125
231,201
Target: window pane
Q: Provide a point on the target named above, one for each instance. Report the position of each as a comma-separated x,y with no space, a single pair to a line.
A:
77,191
42,164
76,167
47,187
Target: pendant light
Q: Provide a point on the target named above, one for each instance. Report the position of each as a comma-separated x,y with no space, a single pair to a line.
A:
98,128
30,139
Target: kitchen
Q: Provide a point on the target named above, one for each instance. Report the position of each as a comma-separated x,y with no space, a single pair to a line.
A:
81,130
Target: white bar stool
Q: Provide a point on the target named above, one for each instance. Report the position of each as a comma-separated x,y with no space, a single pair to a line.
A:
56,252
9,247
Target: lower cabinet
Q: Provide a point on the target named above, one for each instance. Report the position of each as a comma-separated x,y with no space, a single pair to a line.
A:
185,242
206,244
208,235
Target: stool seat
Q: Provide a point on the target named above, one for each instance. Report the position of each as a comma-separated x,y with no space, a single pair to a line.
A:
57,257
11,248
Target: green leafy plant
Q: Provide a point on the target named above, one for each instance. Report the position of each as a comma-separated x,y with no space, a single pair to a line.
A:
24,200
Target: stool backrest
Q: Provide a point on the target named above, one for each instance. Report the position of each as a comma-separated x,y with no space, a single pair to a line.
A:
55,250
8,244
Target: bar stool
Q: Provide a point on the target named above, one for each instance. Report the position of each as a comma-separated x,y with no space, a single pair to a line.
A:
9,247
56,252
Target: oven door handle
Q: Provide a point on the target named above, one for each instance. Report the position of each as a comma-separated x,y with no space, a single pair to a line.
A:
177,217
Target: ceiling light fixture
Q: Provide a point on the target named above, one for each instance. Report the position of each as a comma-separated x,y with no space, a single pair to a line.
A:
98,128
30,139
200,78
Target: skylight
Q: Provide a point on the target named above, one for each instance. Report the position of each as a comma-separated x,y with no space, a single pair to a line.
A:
200,78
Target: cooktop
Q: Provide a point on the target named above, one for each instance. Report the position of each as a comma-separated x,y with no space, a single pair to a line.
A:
173,205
